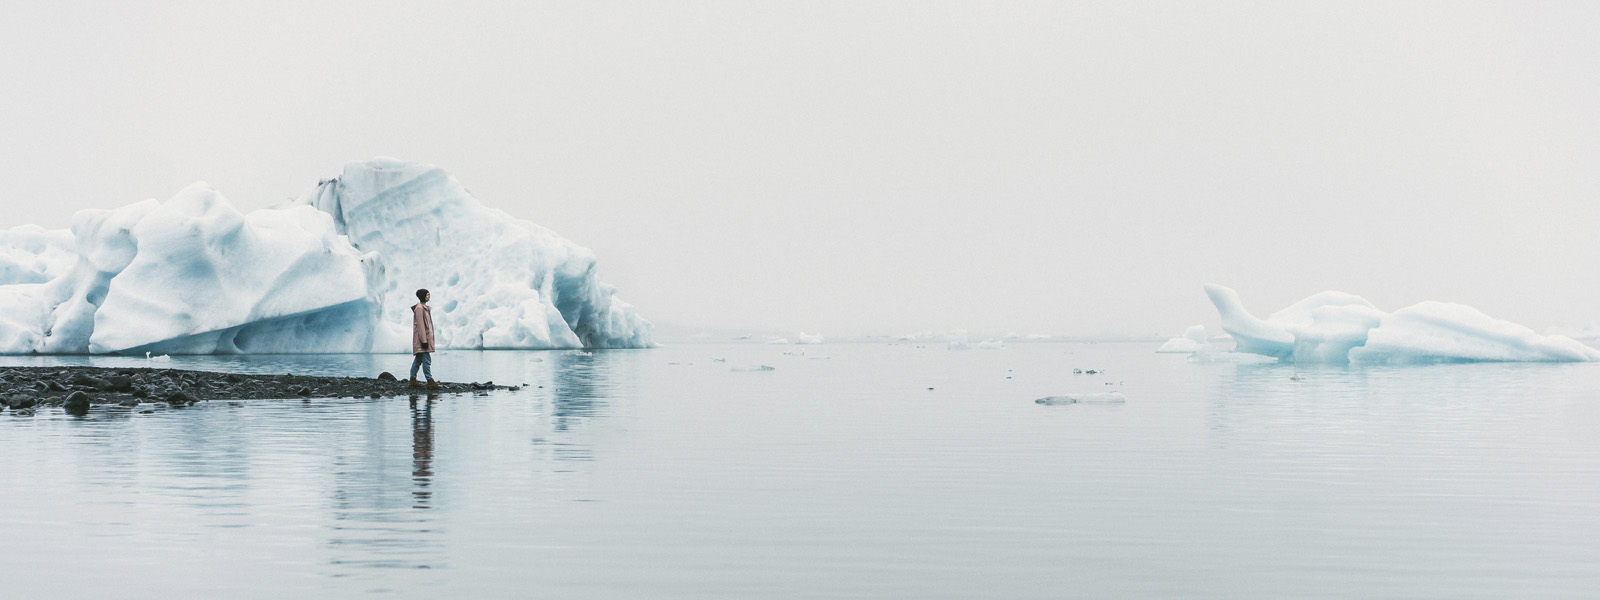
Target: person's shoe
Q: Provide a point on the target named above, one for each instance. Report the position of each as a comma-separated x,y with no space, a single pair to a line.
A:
433,385
414,384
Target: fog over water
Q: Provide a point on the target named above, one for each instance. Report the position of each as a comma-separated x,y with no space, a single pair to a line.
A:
845,168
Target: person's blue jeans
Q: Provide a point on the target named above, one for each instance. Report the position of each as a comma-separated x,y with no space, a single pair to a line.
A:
424,360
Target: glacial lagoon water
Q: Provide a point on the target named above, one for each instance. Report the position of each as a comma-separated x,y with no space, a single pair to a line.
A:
847,471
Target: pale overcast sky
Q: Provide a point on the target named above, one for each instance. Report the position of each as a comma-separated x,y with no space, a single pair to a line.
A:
879,167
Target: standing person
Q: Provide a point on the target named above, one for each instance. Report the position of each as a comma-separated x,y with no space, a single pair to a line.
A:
422,340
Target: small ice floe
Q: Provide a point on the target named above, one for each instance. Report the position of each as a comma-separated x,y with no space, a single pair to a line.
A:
753,368
721,360
1193,340
162,358
1091,398
806,338
778,341
991,345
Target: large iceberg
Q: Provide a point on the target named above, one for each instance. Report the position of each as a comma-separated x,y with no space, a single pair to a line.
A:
331,272
1335,327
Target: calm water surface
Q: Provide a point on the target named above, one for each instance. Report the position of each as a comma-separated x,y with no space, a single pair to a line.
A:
840,474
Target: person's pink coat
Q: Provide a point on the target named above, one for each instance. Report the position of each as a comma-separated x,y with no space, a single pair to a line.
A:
421,329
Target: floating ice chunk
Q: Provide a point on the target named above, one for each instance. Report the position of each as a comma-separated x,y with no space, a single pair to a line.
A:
1249,333
1193,340
778,341
1431,332
1335,327
1089,398
806,338
753,368
991,345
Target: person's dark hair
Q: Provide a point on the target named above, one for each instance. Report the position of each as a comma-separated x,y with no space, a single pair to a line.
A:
421,294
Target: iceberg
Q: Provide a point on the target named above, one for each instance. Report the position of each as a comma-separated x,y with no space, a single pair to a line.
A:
500,282
1336,327
332,271
1193,340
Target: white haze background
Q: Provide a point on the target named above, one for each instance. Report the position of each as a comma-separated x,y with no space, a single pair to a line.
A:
879,168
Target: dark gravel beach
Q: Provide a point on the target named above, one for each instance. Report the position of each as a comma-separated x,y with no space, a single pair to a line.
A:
77,389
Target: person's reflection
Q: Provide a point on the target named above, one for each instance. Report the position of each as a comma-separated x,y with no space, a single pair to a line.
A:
422,450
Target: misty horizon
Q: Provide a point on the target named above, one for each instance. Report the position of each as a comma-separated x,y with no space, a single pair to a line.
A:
877,170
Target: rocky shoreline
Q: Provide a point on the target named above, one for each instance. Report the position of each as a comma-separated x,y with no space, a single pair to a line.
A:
77,389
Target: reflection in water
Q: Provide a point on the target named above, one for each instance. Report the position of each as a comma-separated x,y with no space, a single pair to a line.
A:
579,388
422,450
376,524
378,481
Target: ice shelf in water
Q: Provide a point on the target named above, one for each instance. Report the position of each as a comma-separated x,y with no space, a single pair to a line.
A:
1335,327
334,271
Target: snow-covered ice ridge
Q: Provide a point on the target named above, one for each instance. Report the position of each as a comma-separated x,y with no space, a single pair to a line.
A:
333,271
1336,327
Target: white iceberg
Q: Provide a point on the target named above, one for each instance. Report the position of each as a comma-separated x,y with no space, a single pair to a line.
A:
1193,340
498,282
1335,327
333,272
33,254
807,338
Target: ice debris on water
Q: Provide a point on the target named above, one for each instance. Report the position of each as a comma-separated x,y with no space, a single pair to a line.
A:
1089,398
751,368
1336,327
332,271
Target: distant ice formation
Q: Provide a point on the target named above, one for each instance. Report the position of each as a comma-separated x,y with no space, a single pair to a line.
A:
331,272
1335,327
1193,340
